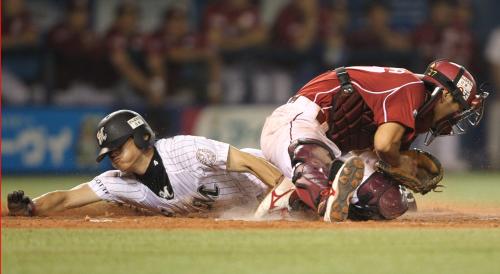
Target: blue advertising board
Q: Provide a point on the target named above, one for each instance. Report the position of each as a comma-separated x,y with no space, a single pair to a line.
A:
49,140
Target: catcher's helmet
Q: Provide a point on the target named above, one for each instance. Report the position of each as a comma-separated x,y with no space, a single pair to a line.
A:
116,128
444,74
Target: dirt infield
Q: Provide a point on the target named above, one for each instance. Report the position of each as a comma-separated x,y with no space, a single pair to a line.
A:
105,215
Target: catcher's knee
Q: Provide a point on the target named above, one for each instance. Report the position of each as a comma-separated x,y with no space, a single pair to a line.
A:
310,158
379,198
306,148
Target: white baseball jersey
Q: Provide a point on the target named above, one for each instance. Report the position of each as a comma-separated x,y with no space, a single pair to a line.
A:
196,168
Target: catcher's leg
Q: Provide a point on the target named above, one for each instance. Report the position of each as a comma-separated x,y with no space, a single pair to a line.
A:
311,162
379,198
347,180
314,171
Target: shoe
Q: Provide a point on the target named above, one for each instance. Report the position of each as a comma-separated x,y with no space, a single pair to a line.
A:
277,200
348,178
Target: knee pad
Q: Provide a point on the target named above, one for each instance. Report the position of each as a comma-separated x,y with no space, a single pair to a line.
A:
380,198
310,150
311,161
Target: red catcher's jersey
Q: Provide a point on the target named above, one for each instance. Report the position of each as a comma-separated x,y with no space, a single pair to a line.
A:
393,95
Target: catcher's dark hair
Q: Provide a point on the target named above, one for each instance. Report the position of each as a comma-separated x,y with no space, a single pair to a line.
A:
429,87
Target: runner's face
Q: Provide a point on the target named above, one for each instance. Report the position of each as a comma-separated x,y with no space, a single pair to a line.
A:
125,157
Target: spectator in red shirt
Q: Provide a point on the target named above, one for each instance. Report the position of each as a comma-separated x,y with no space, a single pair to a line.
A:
459,38
74,46
233,25
180,54
20,53
377,36
377,33
294,40
233,28
333,32
296,26
125,50
492,54
447,33
18,29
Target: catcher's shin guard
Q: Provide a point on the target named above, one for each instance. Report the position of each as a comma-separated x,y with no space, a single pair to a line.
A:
312,161
346,181
380,198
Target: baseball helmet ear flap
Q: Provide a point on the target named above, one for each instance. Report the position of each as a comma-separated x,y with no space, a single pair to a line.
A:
144,138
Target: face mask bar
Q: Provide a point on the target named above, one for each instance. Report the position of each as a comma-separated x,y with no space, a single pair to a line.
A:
428,105
459,123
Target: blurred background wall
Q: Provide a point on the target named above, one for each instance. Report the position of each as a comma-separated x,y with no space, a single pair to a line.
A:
217,67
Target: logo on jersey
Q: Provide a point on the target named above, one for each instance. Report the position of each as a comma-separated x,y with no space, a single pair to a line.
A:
135,122
465,85
206,156
209,193
101,136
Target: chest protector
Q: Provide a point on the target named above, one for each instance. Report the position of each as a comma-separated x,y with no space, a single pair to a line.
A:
351,124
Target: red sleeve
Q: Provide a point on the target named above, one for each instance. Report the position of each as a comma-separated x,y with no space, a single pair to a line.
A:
115,40
211,17
256,14
154,43
200,41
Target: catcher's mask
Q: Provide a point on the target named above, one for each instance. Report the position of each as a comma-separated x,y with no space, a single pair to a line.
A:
443,74
116,128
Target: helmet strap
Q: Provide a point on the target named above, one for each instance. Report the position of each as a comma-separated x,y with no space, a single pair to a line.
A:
450,85
427,107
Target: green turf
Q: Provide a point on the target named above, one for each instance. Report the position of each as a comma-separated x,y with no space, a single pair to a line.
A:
252,251
258,251
481,189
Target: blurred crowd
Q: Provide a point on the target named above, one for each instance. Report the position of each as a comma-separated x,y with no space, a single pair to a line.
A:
206,52
221,51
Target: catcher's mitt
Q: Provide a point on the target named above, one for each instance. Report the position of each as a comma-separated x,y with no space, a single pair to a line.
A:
19,204
429,172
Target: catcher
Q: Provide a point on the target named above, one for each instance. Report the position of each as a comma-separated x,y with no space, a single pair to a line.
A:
374,112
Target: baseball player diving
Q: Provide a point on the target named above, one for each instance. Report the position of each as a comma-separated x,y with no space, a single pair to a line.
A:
173,176
374,113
